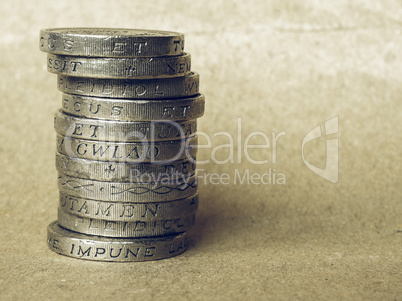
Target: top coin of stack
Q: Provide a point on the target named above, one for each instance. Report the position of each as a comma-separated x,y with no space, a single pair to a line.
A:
123,90
107,42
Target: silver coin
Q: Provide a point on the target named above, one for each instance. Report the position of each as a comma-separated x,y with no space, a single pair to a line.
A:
175,87
111,42
89,247
149,192
139,68
134,152
122,131
122,171
118,211
134,110
125,229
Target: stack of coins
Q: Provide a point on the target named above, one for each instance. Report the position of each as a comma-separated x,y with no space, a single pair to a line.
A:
126,142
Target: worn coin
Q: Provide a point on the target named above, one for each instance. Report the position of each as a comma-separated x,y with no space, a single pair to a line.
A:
131,229
188,108
89,247
118,211
148,192
124,171
163,88
135,152
122,131
121,67
111,42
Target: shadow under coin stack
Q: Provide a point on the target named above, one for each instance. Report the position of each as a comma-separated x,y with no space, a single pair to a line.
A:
126,143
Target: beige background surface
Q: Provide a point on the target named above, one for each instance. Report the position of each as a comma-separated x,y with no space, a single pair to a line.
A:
279,66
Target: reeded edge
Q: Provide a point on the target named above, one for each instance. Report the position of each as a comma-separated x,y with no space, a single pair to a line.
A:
98,227
54,230
134,101
66,125
155,67
99,42
100,170
74,31
168,210
89,85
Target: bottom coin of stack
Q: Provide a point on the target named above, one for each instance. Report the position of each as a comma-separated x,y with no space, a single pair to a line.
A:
83,246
